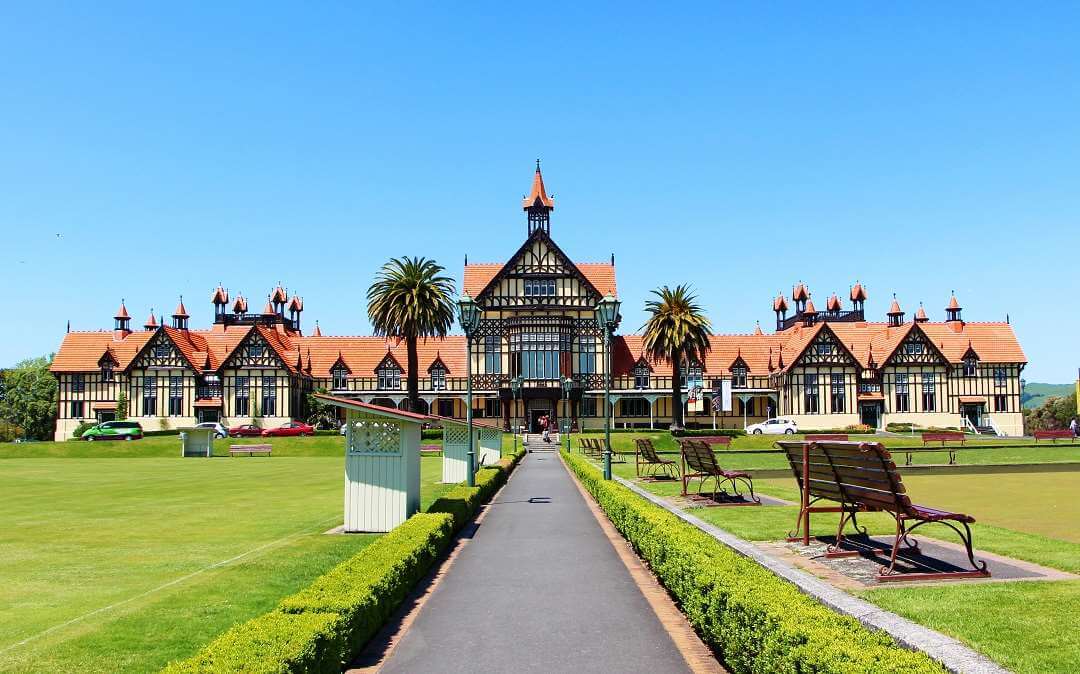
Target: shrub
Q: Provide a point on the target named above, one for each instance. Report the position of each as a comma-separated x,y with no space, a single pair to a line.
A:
82,428
702,432
431,434
858,428
272,643
756,621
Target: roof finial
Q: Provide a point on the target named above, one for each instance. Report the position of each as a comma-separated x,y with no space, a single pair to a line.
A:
538,165
69,325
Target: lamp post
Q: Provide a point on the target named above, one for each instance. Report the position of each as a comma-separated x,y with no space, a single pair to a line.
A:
566,383
469,317
515,391
607,316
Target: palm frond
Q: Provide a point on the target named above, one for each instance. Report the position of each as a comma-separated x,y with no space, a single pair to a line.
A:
677,327
411,298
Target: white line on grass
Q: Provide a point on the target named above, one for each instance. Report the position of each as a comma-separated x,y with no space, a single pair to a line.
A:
159,588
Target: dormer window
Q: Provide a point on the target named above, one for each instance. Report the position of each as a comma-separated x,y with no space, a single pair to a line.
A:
161,350
438,378
255,350
913,348
106,372
540,287
824,349
970,366
692,375
738,376
641,376
389,377
339,375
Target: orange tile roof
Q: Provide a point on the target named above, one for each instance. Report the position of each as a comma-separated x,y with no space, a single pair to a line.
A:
362,354
953,304
894,308
151,323
240,306
81,351
279,295
799,292
833,304
920,315
600,274
221,296
181,311
122,311
858,292
780,303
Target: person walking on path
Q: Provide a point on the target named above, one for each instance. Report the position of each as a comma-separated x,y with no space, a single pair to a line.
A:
544,428
1073,427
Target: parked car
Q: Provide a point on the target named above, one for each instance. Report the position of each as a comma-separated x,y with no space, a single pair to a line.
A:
245,431
776,426
293,428
114,430
219,430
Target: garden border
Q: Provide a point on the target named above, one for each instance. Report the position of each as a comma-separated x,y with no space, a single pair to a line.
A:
953,655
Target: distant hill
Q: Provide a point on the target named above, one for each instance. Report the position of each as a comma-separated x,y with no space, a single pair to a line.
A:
1035,394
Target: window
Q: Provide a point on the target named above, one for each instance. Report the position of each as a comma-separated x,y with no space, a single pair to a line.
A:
438,378
1001,403
255,350
810,393
106,372
492,356
747,407
903,398
77,408
587,355
837,399
738,376
971,366
635,407
641,376
339,375
540,287
176,396
446,407
149,396
824,348
587,407
540,354
492,408
161,350
78,383
241,393
913,347
929,392
269,396
389,377
1000,377
692,375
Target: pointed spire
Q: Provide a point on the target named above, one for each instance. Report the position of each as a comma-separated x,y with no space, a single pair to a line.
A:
278,295
833,304
221,295
307,368
180,312
870,357
69,325
757,329
809,306
894,308
858,292
799,292
538,196
780,364
780,303
268,310
318,332
920,315
240,306
771,366
953,304
122,312
151,323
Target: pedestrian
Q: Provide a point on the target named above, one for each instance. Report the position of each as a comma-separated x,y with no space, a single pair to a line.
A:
544,428
1074,427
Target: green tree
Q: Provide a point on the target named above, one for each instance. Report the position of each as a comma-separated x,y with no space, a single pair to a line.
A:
411,299
121,405
29,399
321,414
1055,413
677,332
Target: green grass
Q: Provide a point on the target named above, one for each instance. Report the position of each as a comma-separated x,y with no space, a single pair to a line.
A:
1028,626
180,549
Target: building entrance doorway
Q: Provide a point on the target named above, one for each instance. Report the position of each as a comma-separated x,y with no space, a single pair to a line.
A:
973,413
870,414
538,409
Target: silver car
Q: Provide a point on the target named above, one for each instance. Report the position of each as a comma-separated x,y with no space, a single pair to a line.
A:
219,430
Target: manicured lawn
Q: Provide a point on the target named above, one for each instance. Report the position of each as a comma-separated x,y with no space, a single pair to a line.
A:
1028,626
123,565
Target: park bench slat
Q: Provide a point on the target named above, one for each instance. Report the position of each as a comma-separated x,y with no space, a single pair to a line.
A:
699,461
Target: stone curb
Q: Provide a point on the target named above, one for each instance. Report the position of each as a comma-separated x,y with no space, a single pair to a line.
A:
952,654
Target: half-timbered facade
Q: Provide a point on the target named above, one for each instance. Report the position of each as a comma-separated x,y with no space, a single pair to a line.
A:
824,369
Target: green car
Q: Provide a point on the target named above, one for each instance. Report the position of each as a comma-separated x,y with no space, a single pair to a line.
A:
114,430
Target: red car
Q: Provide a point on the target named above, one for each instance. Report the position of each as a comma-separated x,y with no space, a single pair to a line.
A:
290,429
245,431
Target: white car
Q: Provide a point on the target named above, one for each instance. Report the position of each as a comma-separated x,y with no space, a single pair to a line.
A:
777,426
219,430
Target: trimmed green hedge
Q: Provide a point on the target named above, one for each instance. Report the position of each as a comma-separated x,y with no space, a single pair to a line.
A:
328,623
703,432
755,621
273,643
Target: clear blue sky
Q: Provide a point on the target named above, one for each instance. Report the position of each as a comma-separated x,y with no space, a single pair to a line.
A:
739,149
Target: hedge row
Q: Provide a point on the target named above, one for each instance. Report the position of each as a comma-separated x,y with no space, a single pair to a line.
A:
705,432
755,621
327,624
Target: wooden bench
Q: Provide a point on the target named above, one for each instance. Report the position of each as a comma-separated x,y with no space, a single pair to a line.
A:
826,436
430,449
950,450
249,449
724,440
1054,436
699,461
861,476
648,463
943,437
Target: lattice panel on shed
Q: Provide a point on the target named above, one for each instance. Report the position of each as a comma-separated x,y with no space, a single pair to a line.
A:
374,435
456,435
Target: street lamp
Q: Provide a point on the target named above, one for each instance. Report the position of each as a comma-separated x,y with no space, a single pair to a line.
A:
566,383
469,317
607,317
515,391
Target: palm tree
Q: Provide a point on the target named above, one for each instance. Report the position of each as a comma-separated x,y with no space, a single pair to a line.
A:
411,299
677,330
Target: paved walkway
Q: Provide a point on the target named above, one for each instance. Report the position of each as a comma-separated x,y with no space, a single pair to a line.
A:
539,588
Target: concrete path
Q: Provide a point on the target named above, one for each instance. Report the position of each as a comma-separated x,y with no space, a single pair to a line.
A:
539,588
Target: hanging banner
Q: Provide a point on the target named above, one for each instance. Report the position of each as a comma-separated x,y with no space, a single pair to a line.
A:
725,395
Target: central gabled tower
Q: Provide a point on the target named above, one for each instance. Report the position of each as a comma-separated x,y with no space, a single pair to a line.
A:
538,205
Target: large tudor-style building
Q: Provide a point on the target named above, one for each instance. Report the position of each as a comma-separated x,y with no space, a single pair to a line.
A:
824,369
